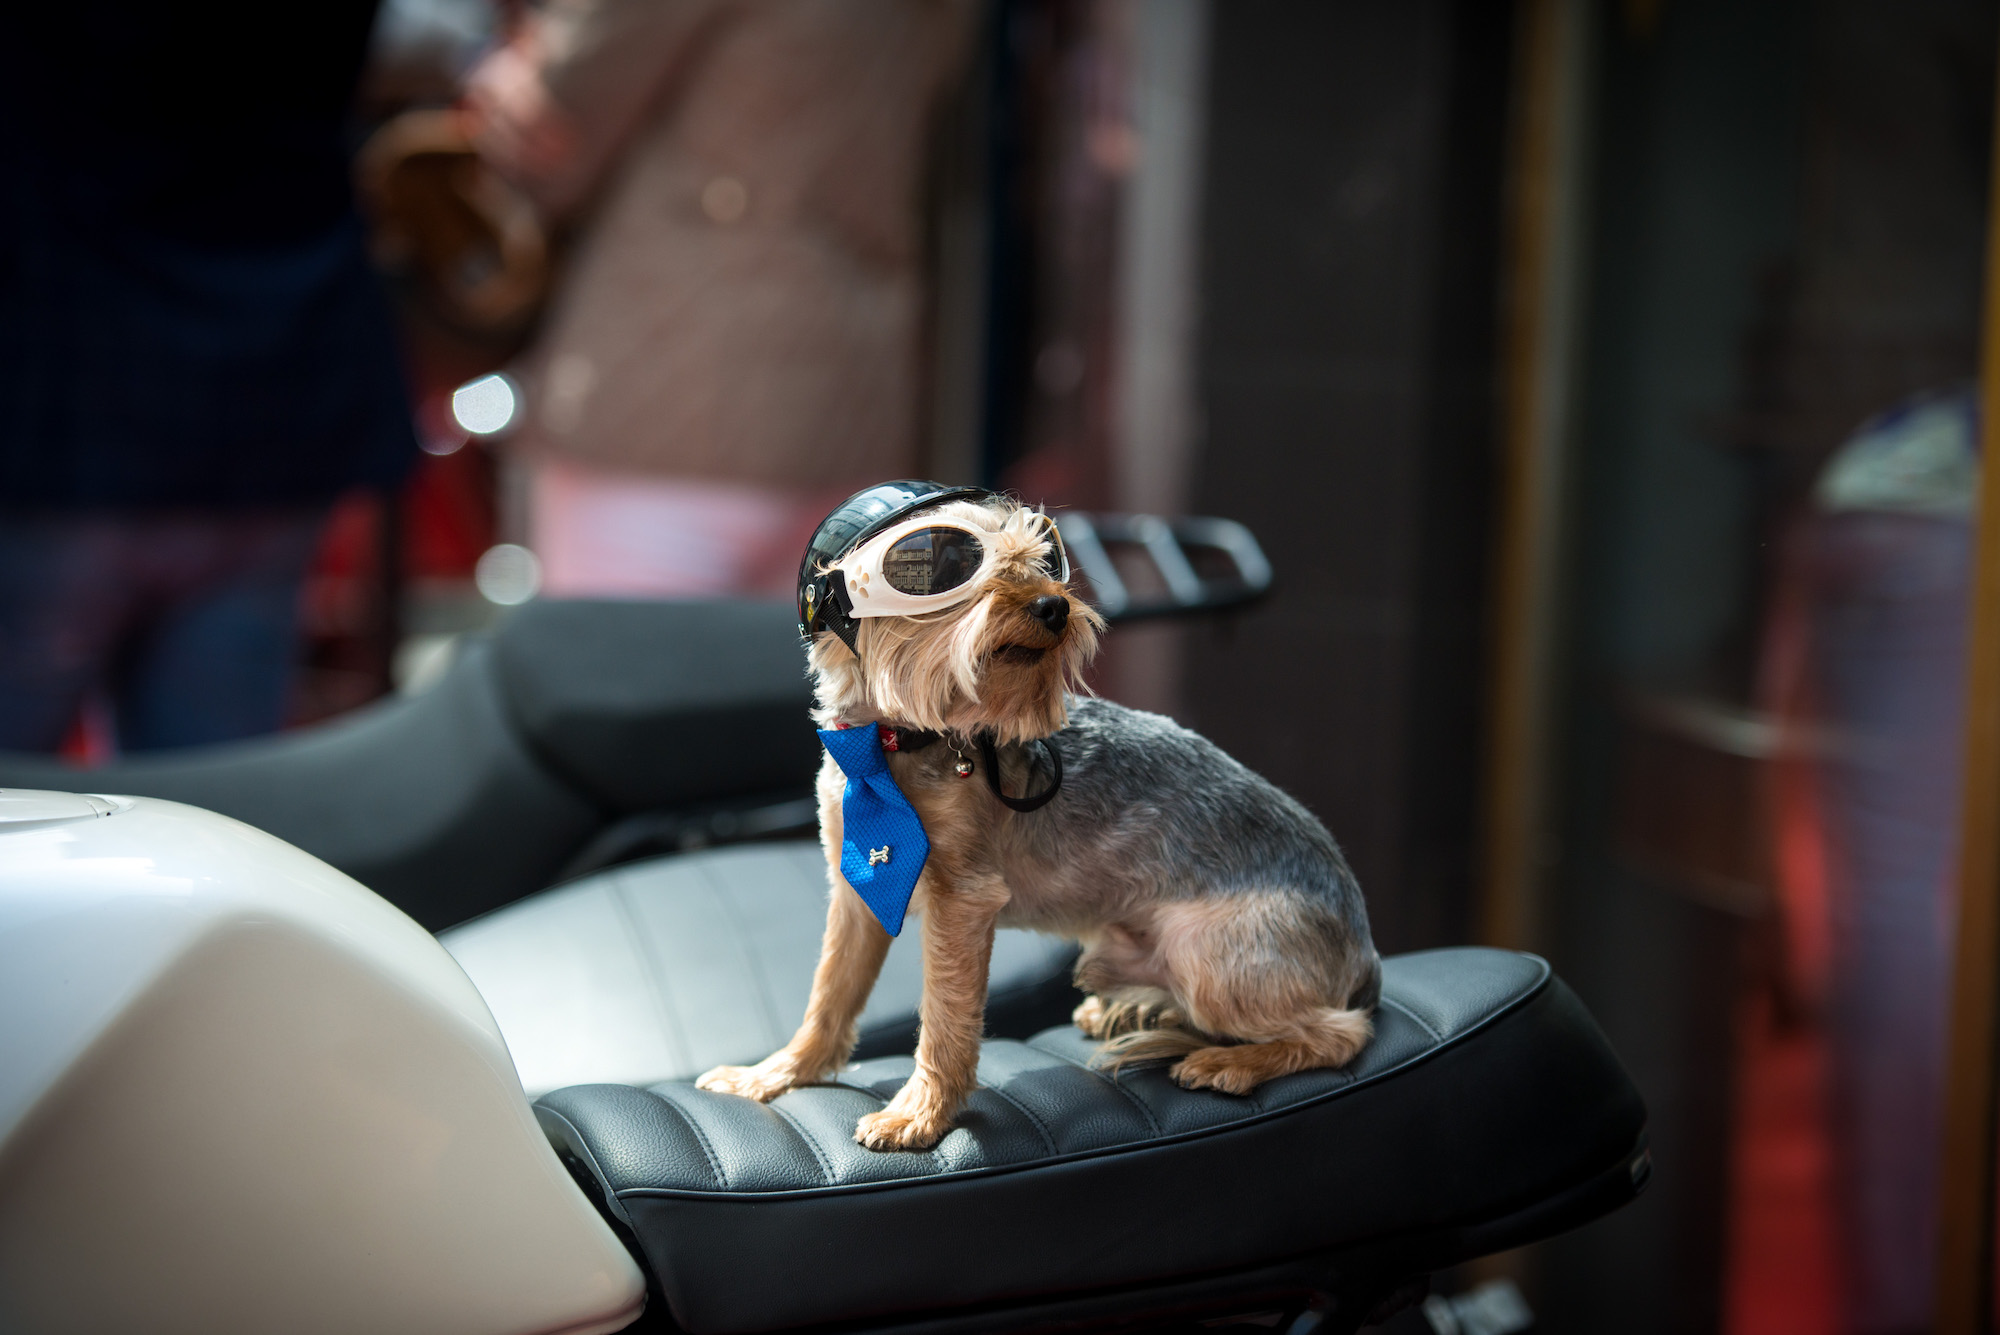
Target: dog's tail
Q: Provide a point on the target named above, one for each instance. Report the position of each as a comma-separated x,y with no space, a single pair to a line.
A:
1338,1035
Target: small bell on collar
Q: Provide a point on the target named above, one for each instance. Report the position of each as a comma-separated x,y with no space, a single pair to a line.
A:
963,767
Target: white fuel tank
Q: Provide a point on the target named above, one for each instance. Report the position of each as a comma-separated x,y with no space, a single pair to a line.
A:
241,1092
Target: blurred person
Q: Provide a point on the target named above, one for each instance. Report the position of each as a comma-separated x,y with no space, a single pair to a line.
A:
735,344
195,357
1866,669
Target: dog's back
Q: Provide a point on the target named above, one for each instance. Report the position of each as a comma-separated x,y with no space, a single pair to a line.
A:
1152,814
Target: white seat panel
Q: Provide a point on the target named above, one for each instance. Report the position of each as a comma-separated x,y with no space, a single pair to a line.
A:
661,969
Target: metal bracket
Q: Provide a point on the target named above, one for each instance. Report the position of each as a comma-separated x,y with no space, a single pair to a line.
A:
1159,557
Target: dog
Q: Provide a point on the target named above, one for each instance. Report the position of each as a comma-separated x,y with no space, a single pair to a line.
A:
1220,924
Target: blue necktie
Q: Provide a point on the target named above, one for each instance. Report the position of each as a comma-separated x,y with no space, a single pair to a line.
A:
882,843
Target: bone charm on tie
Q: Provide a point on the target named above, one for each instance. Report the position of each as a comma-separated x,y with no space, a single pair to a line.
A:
878,855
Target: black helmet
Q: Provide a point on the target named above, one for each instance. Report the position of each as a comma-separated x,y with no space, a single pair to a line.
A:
823,601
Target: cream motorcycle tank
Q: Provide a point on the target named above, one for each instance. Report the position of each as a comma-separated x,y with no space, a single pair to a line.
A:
240,1092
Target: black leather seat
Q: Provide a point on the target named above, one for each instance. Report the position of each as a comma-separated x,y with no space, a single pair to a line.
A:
1487,1112
571,716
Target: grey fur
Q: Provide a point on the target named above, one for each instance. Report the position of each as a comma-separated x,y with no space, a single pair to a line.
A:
1149,814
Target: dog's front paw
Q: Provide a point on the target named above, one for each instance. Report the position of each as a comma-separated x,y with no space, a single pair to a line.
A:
898,1129
762,1082
1219,1068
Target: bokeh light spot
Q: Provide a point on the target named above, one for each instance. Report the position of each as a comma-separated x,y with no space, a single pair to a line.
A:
508,574
486,406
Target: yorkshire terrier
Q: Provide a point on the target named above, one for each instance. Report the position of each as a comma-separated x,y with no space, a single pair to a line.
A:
1220,924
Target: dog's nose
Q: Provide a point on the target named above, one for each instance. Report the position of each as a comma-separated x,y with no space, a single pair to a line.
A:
1052,610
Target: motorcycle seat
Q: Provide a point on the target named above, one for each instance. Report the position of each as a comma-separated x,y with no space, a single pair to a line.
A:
570,716
658,970
1487,1112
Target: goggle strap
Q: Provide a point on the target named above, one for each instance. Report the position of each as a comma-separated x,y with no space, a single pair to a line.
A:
844,628
838,612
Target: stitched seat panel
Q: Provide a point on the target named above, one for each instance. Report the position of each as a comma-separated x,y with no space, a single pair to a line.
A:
1042,1098
661,969
1486,1089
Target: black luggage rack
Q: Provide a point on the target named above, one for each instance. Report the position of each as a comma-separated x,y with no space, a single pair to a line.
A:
1143,567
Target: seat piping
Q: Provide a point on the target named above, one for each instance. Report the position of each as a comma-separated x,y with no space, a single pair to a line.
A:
1527,994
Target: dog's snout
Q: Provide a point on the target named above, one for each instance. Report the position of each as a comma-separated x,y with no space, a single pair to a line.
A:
1052,610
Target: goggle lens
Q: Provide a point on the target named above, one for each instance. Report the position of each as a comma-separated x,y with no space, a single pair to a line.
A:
931,560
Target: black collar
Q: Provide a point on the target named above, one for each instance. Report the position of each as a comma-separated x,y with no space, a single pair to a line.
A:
910,740
907,739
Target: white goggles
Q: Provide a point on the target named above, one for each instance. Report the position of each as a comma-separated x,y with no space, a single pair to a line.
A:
924,566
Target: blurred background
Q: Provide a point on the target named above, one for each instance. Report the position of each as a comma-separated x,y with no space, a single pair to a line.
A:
1599,377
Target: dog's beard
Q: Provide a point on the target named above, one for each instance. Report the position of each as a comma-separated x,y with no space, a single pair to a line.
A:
974,668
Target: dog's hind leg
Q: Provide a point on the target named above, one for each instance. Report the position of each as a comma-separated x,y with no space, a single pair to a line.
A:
1326,1037
1127,1010
1124,980
1263,970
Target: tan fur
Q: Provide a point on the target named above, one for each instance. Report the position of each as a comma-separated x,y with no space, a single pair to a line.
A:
1236,970
1128,1013
1240,989
938,671
851,955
